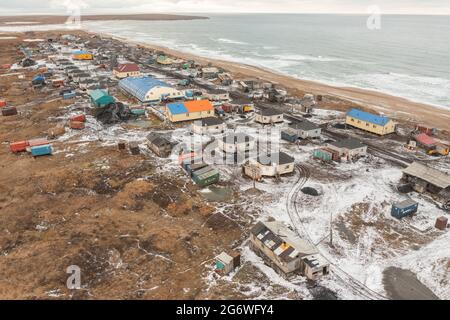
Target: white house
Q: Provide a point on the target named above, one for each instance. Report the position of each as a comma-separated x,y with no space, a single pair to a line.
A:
271,165
210,125
348,148
268,116
236,142
306,129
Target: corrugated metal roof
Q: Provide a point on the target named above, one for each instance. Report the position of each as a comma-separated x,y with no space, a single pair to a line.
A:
139,87
368,117
97,94
177,108
431,175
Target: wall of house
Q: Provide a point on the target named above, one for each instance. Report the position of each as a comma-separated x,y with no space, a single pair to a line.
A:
233,148
370,127
155,94
304,134
209,129
122,75
268,119
188,116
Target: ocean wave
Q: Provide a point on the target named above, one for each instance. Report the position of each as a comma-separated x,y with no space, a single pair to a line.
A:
230,41
299,58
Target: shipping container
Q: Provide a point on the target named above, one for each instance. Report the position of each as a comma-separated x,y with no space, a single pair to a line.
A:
41,150
77,125
37,142
207,178
68,95
404,208
322,155
78,117
194,166
2,103
18,146
441,223
9,111
138,111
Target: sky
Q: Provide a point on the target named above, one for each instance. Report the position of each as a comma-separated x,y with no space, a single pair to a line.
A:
225,6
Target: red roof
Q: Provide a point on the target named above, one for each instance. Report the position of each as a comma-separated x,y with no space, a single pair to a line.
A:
127,67
425,139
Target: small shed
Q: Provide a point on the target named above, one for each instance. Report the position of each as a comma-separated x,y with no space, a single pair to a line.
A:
441,223
225,263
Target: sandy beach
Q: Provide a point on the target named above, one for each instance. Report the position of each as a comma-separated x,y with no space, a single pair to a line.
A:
399,108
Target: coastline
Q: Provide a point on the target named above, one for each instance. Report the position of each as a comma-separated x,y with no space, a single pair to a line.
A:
37,20
397,107
338,98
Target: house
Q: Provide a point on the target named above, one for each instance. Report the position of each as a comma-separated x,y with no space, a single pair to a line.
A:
349,148
217,95
160,145
100,98
424,178
209,125
369,122
82,55
236,142
286,252
268,116
189,110
306,129
225,79
126,70
210,72
164,60
271,165
147,89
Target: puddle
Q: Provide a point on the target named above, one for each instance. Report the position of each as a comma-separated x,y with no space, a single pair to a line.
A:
401,284
140,123
217,194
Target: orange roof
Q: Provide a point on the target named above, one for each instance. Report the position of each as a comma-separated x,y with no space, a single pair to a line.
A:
198,106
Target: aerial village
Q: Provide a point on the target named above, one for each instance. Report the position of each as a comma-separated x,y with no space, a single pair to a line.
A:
336,192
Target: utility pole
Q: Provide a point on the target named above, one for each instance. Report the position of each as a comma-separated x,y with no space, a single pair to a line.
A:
331,228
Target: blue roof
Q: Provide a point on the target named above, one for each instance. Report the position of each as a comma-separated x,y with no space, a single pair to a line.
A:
368,117
139,87
79,52
177,108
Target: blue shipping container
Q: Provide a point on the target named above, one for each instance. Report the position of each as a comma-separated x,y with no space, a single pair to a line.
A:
404,208
68,95
43,150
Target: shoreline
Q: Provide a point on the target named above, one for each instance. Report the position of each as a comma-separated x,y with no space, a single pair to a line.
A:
339,98
39,20
397,107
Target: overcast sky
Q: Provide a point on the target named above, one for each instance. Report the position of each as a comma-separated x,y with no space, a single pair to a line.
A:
222,6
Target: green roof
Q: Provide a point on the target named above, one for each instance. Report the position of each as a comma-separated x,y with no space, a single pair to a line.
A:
100,97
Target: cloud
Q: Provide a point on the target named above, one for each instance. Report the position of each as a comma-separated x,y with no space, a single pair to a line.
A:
180,6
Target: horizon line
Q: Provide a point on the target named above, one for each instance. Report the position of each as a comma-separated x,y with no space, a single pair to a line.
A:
224,13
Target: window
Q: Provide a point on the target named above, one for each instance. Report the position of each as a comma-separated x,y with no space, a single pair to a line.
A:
367,124
351,119
374,126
